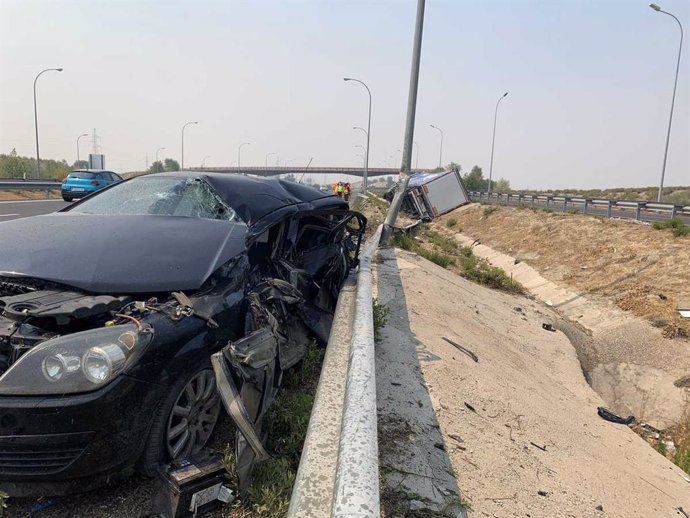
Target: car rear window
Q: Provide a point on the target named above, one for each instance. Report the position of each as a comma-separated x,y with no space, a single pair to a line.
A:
162,196
83,175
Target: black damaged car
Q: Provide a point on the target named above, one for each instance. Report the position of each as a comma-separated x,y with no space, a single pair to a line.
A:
111,309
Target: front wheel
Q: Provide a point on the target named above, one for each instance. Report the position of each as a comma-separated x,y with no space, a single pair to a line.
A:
184,422
66,198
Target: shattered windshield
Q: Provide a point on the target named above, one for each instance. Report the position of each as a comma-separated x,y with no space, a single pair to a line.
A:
162,196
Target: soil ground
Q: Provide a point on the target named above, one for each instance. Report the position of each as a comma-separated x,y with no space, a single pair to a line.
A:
520,425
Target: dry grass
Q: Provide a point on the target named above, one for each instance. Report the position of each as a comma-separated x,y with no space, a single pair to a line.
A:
643,270
28,195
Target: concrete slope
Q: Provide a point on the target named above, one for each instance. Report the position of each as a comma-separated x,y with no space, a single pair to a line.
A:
520,426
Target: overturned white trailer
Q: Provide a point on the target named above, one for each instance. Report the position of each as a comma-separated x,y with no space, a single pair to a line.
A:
430,195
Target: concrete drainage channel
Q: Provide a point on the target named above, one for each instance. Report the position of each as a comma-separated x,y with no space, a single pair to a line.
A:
339,472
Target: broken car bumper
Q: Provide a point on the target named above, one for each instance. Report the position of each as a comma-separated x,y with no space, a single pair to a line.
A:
56,445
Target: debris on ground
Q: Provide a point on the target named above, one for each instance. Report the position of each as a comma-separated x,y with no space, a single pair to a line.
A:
608,415
462,349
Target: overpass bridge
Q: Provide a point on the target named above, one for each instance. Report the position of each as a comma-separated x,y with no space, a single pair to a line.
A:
298,171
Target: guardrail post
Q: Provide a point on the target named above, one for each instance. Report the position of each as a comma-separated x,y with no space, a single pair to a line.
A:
608,209
548,198
585,207
673,211
637,211
565,203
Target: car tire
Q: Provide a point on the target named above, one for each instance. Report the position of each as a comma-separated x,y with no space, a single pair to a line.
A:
158,448
66,198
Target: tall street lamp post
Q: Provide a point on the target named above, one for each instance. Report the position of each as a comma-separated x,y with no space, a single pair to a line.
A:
183,127
673,99
493,140
440,151
366,162
78,138
158,164
239,151
38,157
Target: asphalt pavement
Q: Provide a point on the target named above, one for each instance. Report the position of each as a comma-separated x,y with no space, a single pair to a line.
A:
23,209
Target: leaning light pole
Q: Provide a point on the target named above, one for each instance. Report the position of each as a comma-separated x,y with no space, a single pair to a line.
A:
409,127
239,151
366,162
673,99
183,127
440,151
493,139
78,138
38,157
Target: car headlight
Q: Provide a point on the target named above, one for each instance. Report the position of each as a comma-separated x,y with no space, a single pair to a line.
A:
79,362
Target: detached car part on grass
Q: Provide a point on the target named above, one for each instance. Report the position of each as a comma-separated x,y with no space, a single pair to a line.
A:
430,195
111,309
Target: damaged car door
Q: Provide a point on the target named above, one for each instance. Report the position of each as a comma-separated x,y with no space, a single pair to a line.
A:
316,253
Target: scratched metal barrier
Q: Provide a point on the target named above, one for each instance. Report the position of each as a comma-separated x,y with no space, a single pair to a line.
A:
622,209
338,472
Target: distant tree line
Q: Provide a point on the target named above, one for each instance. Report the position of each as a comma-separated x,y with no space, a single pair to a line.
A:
475,181
15,166
165,165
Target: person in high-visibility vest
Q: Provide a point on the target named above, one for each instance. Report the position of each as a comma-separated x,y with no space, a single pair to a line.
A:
335,189
347,188
340,188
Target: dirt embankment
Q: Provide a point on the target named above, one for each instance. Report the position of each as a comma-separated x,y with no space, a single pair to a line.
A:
645,271
27,195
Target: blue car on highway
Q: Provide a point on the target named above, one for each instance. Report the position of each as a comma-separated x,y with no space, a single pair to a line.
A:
81,183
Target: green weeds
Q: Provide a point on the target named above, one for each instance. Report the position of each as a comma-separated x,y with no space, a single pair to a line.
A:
678,228
381,313
488,211
451,222
269,493
447,252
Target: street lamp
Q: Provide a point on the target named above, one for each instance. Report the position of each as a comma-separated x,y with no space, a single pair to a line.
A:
493,140
158,165
203,162
366,163
38,158
80,136
239,150
440,152
673,99
183,127
266,160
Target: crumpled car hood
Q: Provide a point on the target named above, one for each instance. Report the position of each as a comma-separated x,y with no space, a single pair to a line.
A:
119,254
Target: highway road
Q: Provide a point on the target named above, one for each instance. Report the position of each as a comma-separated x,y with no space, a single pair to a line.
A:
22,209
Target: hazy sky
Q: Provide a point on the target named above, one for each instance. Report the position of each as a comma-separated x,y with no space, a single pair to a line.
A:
589,83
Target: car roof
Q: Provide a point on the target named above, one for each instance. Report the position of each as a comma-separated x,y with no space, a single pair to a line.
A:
92,171
254,198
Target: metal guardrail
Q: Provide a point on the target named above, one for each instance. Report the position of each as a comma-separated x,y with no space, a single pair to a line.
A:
10,184
624,209
338,473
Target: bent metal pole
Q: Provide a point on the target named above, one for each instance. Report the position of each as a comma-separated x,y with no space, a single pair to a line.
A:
409,127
